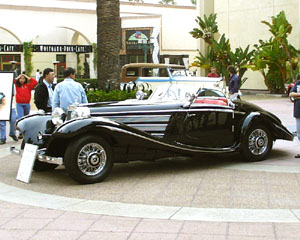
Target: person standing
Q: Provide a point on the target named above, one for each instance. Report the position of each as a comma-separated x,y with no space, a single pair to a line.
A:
295,94
37,75
68,91
213,72
24,86
14,69
43,93
234,83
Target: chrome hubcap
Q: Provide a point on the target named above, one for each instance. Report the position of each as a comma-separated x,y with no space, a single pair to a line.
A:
258,142
91,159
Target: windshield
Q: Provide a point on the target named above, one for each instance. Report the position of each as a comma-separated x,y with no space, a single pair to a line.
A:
173,92
179,72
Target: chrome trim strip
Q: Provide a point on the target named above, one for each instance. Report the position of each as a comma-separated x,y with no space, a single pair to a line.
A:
238,112
149,128
158,134
207,150
51,160
15,151
107,114
40,156
140,118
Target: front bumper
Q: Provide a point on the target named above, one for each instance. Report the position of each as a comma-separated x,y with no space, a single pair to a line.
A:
40,156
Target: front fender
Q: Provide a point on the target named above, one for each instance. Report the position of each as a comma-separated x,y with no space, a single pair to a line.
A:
70,130
81,125
31,126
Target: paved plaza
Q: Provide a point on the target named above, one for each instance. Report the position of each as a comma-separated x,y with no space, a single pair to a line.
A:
210,197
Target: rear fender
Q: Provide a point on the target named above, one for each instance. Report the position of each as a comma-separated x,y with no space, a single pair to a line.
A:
277,130
248,122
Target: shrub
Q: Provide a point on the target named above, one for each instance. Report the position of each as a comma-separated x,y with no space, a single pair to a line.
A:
115,95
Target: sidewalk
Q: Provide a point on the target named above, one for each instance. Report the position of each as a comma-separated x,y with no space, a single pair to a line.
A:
217,197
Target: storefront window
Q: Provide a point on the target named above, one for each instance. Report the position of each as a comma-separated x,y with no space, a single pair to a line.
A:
136,58
60,67
5,62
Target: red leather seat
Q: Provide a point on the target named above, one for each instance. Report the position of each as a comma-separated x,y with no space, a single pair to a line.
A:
216,101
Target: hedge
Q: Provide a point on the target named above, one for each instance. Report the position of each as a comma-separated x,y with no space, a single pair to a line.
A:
114,95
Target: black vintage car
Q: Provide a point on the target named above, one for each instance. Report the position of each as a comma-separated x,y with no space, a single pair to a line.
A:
176,120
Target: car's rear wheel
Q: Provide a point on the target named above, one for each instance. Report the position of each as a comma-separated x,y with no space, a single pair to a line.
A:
257,143
88,159
38,165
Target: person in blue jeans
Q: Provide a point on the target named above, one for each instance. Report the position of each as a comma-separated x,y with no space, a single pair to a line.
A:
295,94
12,129
24,85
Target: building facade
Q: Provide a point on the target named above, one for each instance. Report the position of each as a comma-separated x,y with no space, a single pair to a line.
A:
63,34
63,31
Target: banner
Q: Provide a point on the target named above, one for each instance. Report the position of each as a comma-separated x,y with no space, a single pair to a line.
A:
6,93
62,48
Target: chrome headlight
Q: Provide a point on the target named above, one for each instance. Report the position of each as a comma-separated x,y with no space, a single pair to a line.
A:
81,112
140,95
58,116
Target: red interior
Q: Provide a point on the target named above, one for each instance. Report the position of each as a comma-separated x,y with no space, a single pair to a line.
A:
217,101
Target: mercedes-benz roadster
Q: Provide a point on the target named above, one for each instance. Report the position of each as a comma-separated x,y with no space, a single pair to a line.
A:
176,120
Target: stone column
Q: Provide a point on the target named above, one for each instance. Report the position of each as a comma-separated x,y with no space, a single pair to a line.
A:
204,7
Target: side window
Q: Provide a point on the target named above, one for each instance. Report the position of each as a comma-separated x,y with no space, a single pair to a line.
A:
147,72
132,72
163,72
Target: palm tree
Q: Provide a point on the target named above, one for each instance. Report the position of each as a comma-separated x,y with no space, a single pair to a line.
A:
108,42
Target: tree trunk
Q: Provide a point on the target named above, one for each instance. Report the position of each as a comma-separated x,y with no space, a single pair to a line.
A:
108,41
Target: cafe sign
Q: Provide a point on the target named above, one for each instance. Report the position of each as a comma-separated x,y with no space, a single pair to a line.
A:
11,48
48,48
63,48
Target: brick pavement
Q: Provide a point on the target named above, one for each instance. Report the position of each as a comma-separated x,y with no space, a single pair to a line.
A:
223,183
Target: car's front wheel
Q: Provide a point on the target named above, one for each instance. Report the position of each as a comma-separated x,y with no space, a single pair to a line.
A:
88,159
257,143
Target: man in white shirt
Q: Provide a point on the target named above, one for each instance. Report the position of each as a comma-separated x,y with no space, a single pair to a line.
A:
68,91
37,75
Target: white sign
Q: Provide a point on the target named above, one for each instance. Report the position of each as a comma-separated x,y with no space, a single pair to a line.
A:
6,93
27,162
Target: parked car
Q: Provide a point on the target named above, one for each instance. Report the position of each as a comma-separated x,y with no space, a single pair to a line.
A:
131,72
176,120
153,75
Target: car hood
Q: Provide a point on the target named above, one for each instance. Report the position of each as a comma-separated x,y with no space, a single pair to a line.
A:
134,105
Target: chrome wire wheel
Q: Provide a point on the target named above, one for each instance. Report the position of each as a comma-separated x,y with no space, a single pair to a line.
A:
91,159
258,142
